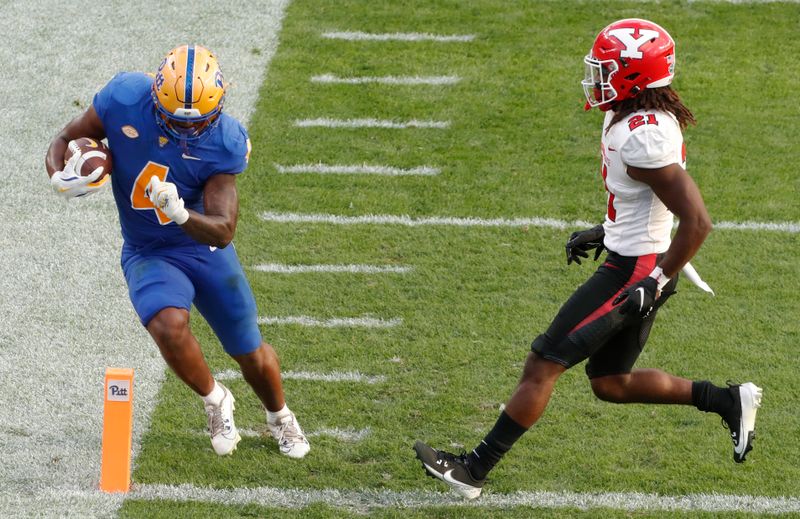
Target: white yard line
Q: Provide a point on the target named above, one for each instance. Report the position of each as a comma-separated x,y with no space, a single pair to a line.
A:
345,435
280,268
333,376
419,221
357,169
386,80
396,36
268,216
369,123
786,227
744,2
338,322
364,500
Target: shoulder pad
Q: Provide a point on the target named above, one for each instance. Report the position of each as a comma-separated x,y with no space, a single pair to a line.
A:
651,143
234,136
129,88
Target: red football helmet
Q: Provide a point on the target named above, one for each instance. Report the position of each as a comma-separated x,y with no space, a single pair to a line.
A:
626,57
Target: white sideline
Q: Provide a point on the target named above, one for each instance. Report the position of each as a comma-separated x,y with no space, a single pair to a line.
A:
65,314
333,376
369,123
375,219
364,500
357,169
387,80
343,322
396,36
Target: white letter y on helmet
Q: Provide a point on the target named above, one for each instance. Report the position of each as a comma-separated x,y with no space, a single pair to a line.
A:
625,36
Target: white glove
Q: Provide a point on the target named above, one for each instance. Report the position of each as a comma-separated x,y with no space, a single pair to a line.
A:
69,184
164,195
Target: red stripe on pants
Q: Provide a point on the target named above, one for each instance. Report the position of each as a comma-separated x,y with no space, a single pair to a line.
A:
644,266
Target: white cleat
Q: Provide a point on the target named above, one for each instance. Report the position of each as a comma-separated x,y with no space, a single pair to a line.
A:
224,435
742,422
291,440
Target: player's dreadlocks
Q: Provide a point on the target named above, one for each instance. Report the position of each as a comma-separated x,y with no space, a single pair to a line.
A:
664,99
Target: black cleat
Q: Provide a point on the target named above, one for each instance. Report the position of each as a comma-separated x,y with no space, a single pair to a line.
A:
451,469
742,419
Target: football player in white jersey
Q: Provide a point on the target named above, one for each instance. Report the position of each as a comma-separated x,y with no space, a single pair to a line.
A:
607,320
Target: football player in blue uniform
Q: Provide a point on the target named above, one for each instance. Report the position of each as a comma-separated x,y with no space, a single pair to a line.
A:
176,156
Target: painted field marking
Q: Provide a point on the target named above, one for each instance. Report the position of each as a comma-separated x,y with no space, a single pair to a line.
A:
369,123
339,322
787,227
744,2
268,216
333,376
396,36
386,80
365,500
346,435
357,169
280,268
416,222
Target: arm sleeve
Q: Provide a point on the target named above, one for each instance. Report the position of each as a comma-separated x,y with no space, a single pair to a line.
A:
650,147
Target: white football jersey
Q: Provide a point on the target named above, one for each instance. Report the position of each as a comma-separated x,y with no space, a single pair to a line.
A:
637,222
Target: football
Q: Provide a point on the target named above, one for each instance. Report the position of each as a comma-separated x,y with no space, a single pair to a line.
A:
94,154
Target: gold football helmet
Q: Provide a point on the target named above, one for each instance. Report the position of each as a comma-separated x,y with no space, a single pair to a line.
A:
188,91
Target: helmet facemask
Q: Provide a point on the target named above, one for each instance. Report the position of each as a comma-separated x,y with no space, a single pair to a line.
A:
186,125
597,81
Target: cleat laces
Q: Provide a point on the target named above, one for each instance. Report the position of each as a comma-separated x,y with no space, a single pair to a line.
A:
217,424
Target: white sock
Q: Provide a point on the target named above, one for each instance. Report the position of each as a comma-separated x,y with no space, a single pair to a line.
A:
216,395
275,417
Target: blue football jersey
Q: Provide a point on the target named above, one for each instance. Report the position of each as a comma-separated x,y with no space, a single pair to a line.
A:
140,149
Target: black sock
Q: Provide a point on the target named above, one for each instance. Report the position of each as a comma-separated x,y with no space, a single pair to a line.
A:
499,440
710,398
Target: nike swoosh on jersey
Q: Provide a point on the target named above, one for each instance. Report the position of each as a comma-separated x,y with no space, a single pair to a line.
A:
189,157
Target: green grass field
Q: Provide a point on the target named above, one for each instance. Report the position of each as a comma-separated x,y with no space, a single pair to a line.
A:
518,146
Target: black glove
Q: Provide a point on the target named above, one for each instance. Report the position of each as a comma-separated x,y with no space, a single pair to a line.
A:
581,241
638,298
